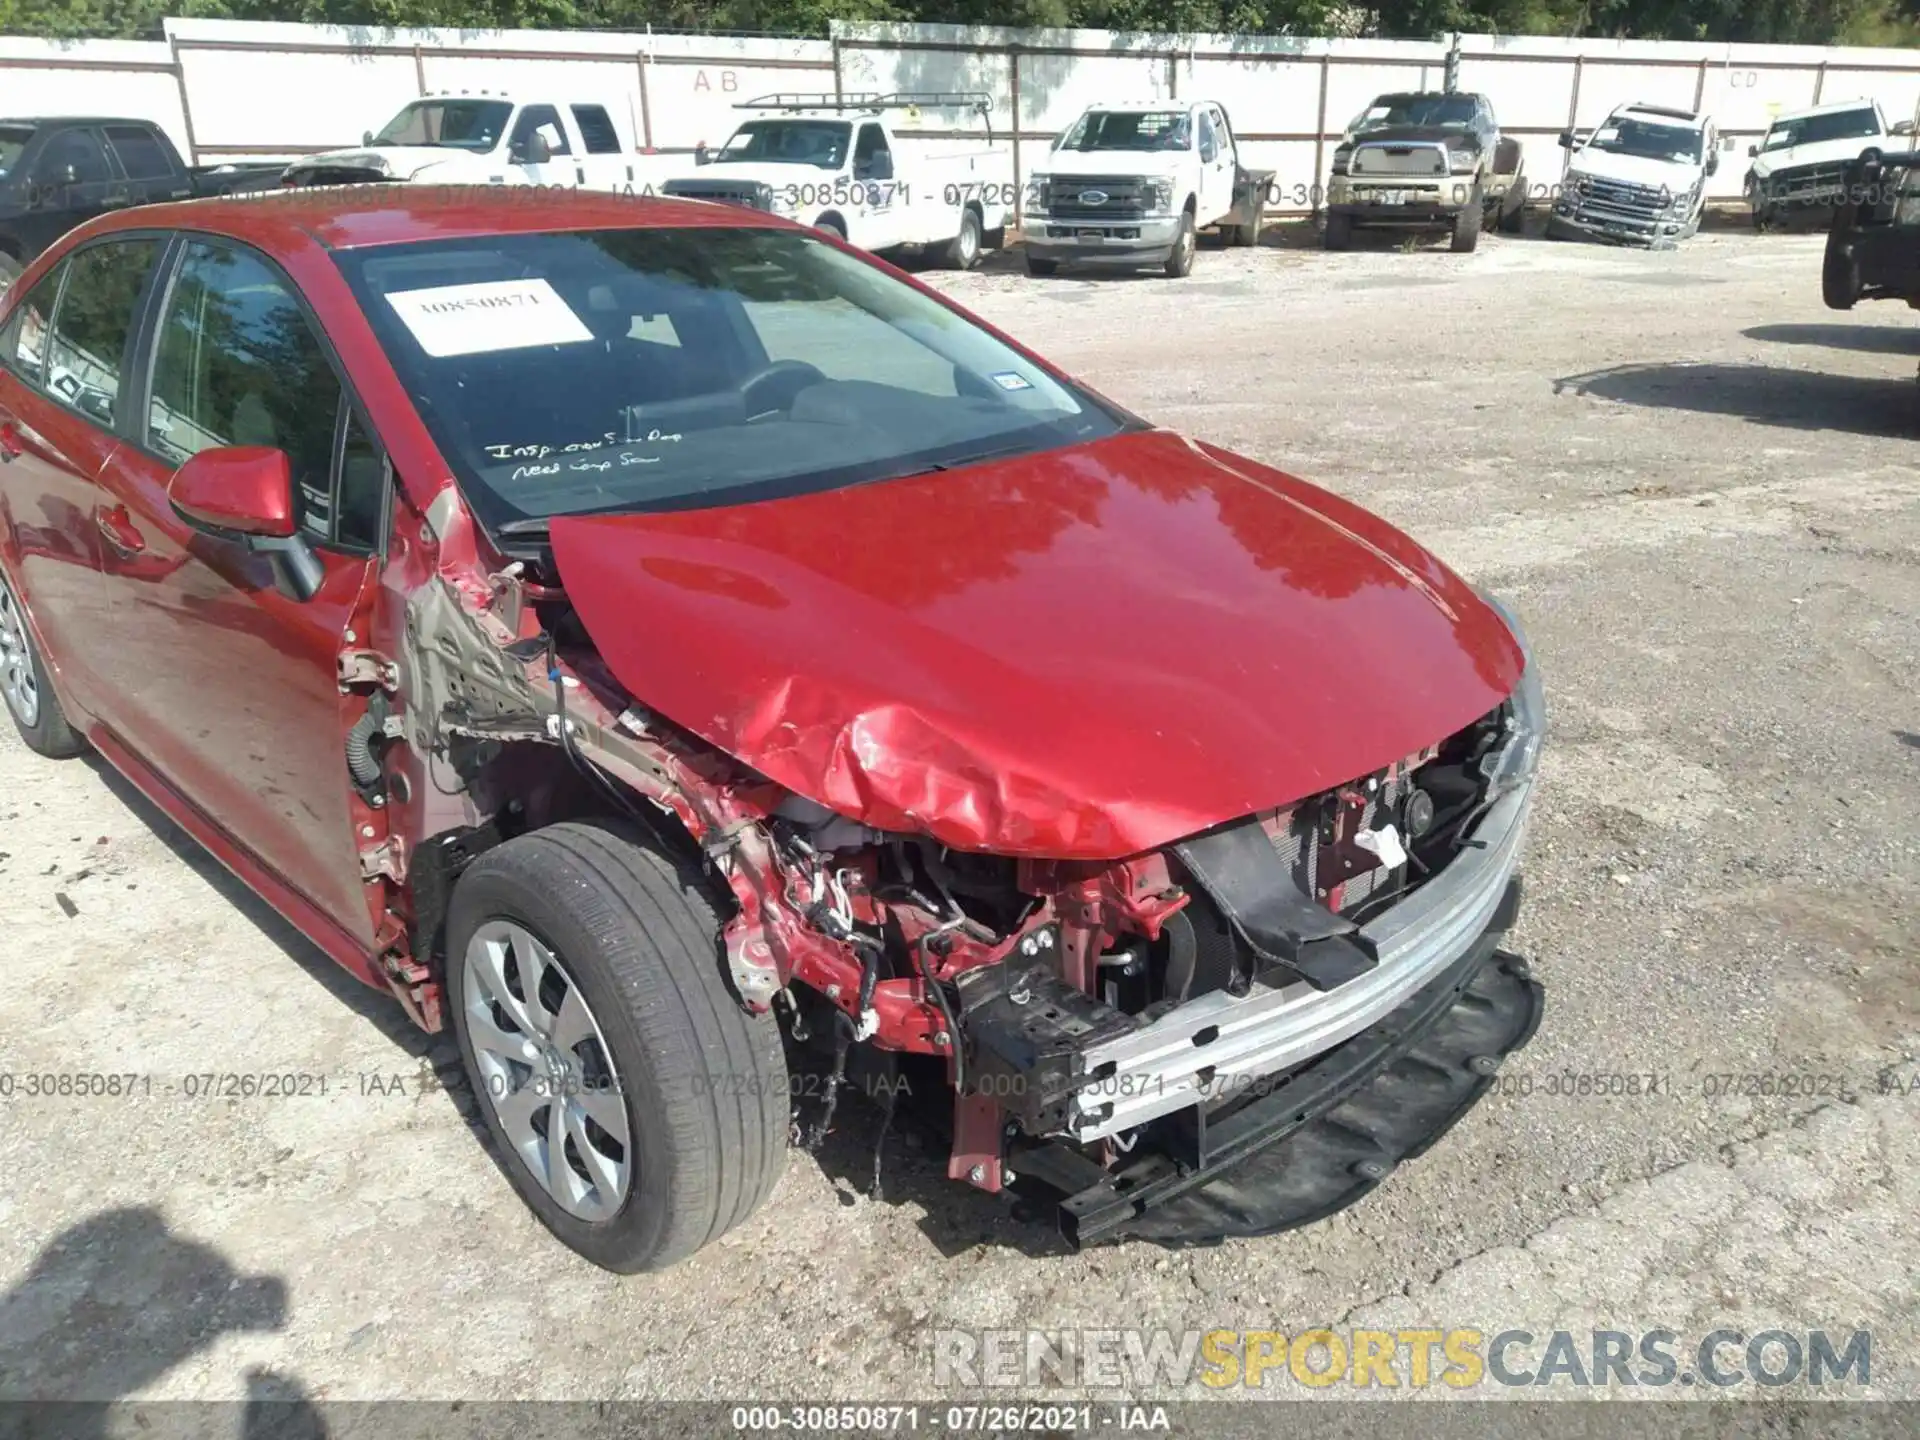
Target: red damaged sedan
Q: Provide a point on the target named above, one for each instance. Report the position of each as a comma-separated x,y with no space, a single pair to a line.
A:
616,628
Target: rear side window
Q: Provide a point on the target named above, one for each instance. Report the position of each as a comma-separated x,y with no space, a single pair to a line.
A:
238,364
596,129
86,353
25,348
141,155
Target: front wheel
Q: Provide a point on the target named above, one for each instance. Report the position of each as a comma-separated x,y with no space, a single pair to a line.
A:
1839,275
1180,262
1514,220
1466,226
636,1106
26,688
1339,233
1040,265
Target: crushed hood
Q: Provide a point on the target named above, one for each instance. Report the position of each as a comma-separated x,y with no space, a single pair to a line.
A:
399,161
1082,654
1819,152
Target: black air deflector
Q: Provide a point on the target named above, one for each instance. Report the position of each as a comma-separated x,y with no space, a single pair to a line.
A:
1245,876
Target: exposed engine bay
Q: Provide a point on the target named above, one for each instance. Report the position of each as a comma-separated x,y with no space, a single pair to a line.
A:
1011,986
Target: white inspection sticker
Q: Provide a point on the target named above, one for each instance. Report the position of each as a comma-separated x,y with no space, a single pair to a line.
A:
1012,380
499,315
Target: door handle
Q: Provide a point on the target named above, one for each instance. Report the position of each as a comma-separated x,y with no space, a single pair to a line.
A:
117,526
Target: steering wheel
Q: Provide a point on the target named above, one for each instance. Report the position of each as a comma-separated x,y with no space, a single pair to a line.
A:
773,388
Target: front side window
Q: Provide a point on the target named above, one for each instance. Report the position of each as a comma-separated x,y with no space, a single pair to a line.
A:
236,363
13,140
73,157
86,352
26,346
544,121
539,363
458,124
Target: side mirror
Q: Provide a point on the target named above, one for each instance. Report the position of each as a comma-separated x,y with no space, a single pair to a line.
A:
366,137
244,493
533,150
1752,151
1566,139
880,167
1902,127
701,155
1713,162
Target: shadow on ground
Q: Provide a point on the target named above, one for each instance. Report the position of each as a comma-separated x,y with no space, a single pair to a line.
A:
1869,339
1763,394
116,1301
380,1009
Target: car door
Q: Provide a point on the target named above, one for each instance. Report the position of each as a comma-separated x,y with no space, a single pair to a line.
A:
225,686
601,162
67,357
1889,254
878,190
1216,167
538,150
71,182
151,173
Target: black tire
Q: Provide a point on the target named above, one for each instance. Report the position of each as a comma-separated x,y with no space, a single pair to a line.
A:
1249,233
1338,234
1039,265
1513,218
833,225
704,1083
1839,275
47,731
1762,218
1180,263
963,251
1466,226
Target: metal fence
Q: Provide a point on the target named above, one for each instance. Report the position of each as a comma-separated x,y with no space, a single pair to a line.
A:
231,90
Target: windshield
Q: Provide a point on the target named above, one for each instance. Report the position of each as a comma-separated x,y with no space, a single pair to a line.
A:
13,139
457,124
1130,130
1651,142
650,368
1813,129
1423,109
788,142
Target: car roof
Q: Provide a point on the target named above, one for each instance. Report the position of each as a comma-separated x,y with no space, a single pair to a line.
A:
1142,107
1831,108
1661,112
348,217
73,120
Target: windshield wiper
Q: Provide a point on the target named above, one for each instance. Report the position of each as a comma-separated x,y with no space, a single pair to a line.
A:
533,525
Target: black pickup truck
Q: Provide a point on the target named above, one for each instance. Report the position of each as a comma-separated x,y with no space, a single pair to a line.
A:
1873,247
56,173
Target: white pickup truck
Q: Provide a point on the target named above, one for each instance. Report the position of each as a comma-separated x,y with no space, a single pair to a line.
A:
1800,165
482,138
1638,178
843,164
1133,182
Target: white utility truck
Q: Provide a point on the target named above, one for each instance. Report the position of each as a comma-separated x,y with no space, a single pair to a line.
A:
866,168
486,138
1800,165
1638,178
1133,182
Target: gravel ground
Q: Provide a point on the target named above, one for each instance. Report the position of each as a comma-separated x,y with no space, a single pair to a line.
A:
1700,487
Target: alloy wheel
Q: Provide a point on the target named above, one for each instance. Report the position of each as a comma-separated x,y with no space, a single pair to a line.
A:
17,681
546,1070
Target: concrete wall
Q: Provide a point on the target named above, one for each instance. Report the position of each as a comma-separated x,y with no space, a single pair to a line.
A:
230,90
